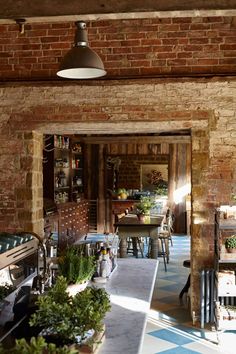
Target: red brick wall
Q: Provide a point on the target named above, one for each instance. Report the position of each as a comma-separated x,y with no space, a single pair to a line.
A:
21,182
138,47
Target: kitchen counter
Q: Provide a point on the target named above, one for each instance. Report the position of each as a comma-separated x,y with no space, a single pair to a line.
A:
130,289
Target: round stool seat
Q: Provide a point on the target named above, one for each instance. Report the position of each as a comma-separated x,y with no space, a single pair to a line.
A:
187,263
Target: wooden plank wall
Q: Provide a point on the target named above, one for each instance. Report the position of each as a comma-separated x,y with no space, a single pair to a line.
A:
179,178
178,154
137,149
179,172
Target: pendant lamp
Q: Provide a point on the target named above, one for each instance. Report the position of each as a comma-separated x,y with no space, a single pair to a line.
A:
81,62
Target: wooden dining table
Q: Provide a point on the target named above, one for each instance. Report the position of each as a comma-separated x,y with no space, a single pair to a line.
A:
130,226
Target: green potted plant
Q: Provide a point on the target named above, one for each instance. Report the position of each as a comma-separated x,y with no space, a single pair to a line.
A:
144,206
230,244
77,267
65,319
37,345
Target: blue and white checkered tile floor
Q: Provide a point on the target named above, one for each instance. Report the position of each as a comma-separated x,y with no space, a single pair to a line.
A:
169,328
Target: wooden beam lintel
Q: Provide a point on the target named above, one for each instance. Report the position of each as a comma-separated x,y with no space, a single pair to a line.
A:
137,140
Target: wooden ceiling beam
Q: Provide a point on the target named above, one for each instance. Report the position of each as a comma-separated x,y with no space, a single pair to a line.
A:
74,10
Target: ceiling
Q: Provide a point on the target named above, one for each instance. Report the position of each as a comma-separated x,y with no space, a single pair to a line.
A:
98,9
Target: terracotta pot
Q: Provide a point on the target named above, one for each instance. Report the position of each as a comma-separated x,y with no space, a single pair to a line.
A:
231,250
141,217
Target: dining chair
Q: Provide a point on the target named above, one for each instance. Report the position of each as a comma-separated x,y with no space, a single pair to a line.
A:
162,249
167,228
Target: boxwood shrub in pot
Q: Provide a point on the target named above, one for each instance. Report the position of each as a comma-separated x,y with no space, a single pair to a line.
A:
230,243
37,345
64,319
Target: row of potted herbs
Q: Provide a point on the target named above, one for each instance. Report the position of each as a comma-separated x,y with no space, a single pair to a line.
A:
64,319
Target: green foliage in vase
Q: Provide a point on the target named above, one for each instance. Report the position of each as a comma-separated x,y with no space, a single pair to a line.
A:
230,242
75,265
67,317
37,346
145,205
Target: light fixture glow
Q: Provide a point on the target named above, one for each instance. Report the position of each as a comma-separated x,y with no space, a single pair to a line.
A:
81,62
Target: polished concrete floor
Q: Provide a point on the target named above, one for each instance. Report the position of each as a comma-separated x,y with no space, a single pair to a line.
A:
169,328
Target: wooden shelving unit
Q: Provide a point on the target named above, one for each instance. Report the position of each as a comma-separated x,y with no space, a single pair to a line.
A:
225,271
77,170
63,169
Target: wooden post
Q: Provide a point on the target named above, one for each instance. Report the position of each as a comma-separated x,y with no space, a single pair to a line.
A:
101,199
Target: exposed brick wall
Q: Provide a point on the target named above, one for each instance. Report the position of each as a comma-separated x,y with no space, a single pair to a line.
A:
30,194
21,182
10,177
167,46
207,107
178,46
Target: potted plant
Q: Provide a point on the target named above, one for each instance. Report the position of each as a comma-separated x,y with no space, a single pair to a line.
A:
65,319
144,206
230,244
37,345
77,267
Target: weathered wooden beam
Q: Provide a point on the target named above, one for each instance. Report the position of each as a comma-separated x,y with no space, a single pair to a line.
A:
137,139
61,10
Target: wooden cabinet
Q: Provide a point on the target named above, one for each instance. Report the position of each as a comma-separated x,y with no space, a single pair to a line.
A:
63,173
73,222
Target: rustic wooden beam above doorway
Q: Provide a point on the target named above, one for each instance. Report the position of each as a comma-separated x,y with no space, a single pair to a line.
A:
145,139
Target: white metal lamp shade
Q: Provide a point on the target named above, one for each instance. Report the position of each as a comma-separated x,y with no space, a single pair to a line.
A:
81,62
